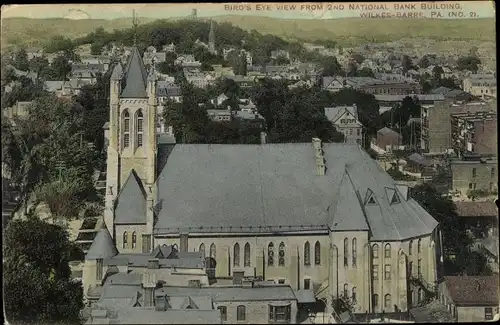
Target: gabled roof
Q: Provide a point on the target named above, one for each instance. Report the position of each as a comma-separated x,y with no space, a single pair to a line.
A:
135,77
102,247
131,202
334,113
347,202
385,131
473,290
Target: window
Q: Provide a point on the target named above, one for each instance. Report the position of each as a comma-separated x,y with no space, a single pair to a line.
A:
387,301
354,294
371,200
281,281
146,243
375,272
345,290
488,313
223,312
346,252
419,268
410,247
194,283
125,240
281,259
474,172
307,252
387,272
354,252
202,249
140,127
410,268
241,313
236,255
492,172
307,284
99,270
387,251
270,254
126,129
358,131
279,314
317,253
134,239
375,301
470,186
246,254
375,251
419,246
212,251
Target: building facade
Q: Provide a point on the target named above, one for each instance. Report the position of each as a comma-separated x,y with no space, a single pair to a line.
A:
345,119
474,173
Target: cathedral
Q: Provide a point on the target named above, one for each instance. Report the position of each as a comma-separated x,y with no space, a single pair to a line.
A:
317,216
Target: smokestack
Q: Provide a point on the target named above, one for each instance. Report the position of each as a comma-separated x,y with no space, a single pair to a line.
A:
263,137
320,159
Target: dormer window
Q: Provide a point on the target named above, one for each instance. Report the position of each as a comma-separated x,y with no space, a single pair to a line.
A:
371,200
395,199
140,128
126,129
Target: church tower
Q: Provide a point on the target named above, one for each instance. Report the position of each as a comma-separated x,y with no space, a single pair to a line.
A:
211,38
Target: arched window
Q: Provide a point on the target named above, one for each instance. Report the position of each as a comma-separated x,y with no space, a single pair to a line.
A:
241,313
270,254
307,254
387,251
212,251
419,298
317,253
126,129
125,239
354,294
202,249
281,260
139,122
354,252
419,246
246,254
410,247
346,252
375,301
134,239
387,301
375,251
236,255
345,290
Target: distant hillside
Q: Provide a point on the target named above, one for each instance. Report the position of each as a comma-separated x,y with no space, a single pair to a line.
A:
348,31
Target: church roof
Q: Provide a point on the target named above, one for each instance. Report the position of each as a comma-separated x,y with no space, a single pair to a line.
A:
102,247
117,72
135,77
131,202
274,188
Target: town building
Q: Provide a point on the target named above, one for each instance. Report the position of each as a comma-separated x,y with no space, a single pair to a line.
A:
481,85
388,139
341,227
474,173
475,133
371,85
151,55
345,119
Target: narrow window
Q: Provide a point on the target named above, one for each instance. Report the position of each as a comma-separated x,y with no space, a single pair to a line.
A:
419,267
247,255
375,251
202,249
317,253
354,252
146,243
375,301
474,172
307,284
236,255
387,301
281,260
488,313
346,252
354,294
241,313
387,251
134,239
345,290
140,127
375,272
212,251
223,312
270,254
125,240
410,247
410,269
126,129
387,272
307,256
99,270
419,246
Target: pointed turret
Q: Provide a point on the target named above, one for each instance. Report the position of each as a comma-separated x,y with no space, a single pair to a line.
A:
102,247
117,72
135,77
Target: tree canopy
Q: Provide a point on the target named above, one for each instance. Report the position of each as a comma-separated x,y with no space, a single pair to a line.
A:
470,63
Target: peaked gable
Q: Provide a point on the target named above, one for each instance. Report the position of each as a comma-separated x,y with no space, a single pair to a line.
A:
131,202
102,246
135,77
348,214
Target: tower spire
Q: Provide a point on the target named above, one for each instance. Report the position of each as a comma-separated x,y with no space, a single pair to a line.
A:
134,24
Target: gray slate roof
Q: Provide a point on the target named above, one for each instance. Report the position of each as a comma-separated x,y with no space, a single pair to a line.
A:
256,188
102,247
333,113
135,77
131,202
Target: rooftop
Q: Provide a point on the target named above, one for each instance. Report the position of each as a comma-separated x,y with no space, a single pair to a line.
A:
473,290
476,209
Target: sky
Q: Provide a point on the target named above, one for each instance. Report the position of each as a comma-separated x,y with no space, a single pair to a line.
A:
476,9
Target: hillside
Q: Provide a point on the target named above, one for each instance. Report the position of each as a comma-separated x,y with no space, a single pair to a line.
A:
348,31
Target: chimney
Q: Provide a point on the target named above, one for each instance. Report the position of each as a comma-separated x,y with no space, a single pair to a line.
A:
263,137
184,242
320,159
148,285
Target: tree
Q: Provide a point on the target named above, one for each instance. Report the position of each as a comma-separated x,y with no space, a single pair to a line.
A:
60,43
470,63
281,60
96,48
38,64
352,68
406,63
61,67
358,58
424,62
365,72
21,60
331,67
36,256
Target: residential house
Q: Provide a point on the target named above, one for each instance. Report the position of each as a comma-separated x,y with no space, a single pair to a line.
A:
220,71
470,298
101,62
167,92
452,94
220,100
169,48
473,173
481,85
219,115
19,109
198,78
371,85
151,55
345,119
388,139
418,164
489,247
242,81
479,218
247,54
187,60
34,52
250,118
475,132
280,53
386,102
